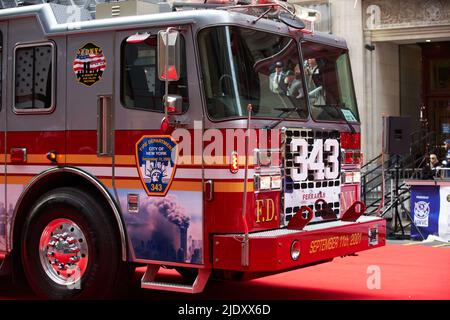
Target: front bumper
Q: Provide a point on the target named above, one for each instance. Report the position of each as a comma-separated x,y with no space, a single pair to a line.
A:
270,251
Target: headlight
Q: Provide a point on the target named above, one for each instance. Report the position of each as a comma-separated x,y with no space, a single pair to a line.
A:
267,183
356,177
349,177
276,182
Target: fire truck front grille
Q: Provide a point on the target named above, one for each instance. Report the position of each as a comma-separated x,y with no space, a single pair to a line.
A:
308,191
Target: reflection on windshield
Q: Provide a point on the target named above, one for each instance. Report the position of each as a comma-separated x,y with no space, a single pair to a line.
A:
329,83
243,66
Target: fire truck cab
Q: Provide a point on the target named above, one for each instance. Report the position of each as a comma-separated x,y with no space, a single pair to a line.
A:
222,140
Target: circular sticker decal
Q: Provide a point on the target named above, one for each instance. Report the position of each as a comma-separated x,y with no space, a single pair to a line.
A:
89,64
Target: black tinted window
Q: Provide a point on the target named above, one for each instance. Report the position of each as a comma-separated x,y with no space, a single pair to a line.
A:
140,86
33,77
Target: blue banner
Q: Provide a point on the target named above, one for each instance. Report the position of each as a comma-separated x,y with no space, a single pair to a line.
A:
425,206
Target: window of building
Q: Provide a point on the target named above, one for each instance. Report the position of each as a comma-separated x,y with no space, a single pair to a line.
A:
34,78
140,85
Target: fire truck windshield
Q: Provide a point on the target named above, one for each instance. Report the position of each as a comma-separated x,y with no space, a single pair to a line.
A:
242,66
329,83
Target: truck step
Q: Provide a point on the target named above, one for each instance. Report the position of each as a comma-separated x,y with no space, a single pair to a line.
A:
149,281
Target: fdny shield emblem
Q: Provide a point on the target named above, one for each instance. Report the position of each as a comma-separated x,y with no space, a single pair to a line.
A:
156,157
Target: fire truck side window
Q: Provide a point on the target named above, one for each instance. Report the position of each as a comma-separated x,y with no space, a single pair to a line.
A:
140,86
33,89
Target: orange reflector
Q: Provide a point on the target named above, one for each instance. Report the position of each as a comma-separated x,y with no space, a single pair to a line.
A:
234,163
52,156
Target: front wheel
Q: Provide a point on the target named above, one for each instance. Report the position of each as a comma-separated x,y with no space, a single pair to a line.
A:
70,248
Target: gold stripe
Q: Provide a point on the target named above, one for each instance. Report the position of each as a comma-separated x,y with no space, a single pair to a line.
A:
136,184
15,179
37,158
130,159
232,186
183,185
212,160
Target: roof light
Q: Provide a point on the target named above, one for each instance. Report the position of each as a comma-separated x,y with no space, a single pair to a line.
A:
138,37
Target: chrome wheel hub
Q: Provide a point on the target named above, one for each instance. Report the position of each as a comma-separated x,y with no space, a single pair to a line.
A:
63,251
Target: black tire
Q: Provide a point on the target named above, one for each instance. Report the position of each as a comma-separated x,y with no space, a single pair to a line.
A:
105,271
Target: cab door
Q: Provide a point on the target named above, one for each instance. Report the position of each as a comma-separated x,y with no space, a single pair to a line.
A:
160,194
89,132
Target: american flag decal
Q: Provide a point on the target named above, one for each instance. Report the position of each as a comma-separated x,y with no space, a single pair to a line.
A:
89,64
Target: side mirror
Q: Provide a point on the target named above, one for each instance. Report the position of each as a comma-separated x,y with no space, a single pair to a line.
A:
174,104
169,55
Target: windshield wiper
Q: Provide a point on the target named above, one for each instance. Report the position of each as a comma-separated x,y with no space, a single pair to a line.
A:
338,107
283,111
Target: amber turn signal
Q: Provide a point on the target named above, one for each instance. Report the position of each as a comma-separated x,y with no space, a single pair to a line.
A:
52,156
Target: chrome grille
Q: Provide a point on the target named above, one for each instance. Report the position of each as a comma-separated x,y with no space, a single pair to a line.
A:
296,191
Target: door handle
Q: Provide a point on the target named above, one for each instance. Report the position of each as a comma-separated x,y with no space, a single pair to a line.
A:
209,190
104,125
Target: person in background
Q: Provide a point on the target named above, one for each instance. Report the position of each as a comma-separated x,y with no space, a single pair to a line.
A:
276,78
434,161
294,87
435,165
446,161
431,166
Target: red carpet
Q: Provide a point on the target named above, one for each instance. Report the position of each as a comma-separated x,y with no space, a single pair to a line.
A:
407,272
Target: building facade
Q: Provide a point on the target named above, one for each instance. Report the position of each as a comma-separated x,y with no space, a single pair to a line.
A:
400,54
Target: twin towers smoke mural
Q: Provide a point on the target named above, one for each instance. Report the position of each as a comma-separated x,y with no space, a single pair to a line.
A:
165,230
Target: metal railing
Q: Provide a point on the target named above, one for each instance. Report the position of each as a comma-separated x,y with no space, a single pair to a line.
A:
391,174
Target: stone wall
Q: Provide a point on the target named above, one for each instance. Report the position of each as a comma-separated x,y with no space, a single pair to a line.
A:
382,14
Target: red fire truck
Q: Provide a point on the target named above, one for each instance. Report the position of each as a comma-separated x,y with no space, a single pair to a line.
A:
221,139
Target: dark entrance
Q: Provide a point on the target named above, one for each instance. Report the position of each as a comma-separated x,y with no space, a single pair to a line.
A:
436,89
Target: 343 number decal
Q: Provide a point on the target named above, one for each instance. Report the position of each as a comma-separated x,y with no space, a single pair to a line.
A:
156,187
315,160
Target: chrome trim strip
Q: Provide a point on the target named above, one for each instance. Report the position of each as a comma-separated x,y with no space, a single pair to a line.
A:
50,26
91,179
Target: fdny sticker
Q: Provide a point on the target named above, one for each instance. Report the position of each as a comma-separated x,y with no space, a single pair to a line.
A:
156,157
89,64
